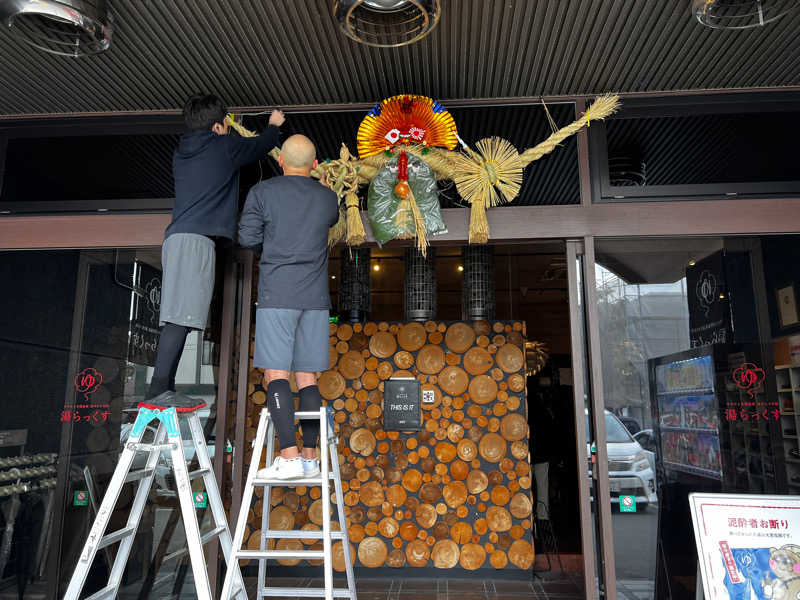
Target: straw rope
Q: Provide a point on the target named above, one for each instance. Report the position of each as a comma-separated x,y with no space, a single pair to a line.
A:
489,175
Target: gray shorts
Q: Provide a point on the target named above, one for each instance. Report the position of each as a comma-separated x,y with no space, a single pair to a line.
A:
288,339
188,261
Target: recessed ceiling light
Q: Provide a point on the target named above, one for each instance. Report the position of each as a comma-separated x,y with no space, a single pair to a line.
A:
376,267
333,276
460,267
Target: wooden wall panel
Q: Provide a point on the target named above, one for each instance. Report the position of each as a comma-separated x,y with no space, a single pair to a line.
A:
456,494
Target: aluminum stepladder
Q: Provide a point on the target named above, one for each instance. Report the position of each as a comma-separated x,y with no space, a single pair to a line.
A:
329,470
167,439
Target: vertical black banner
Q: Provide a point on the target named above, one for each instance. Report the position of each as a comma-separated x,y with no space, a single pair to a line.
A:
144,331
709,308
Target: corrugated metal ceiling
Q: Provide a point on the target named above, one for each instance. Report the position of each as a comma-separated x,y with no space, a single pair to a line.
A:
290,52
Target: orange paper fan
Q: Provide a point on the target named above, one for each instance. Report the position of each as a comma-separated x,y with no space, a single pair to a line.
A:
406,119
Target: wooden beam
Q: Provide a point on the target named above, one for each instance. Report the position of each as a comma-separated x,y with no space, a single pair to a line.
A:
507,224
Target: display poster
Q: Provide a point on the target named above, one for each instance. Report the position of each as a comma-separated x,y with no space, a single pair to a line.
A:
748,546
401,404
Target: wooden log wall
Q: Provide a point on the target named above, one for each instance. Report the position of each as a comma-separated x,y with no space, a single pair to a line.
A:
456,494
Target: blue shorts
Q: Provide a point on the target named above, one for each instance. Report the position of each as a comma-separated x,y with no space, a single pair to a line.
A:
288,339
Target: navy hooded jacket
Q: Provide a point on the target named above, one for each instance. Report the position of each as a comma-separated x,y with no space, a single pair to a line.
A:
206,170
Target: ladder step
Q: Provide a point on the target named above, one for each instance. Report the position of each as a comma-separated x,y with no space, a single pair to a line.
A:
198,473
149,447
106,592
115,537
300,535
204,539
276,554
137,475
291,482
304,592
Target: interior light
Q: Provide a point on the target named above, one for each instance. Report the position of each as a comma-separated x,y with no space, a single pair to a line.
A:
376,267
460,267
722,296
333,276
691,262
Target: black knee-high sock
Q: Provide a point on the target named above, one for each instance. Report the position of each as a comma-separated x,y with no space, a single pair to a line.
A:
310,400
281,410
173,369
170,348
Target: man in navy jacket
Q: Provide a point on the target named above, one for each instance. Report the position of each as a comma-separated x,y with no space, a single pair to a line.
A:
206,169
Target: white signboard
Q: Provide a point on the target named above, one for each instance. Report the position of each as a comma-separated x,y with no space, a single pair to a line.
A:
748,546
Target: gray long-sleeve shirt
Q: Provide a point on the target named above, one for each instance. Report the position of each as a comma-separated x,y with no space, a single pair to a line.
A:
288,218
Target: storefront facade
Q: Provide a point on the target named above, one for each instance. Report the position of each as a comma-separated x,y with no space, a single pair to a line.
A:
636,302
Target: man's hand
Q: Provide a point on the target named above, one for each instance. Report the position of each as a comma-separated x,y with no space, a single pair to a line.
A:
277,118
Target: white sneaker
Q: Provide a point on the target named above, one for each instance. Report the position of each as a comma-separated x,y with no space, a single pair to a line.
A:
283,469
310,468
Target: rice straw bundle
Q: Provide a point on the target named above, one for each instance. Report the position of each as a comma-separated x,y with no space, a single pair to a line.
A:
408,218
355,226
338,232
487,177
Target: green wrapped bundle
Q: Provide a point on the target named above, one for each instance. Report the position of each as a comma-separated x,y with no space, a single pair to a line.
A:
392,217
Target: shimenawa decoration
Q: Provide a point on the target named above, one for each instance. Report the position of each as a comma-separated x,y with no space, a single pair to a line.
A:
408,130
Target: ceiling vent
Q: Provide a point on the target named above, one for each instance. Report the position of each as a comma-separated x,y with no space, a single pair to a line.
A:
741,14
64,27
387,23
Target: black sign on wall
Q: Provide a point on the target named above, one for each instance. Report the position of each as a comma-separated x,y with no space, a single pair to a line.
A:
144,328
401,404
708,301
720,298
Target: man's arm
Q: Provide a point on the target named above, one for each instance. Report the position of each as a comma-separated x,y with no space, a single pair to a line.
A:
244,151
252,221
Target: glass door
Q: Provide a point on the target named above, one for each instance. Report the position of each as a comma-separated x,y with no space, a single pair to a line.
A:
690,392
79,334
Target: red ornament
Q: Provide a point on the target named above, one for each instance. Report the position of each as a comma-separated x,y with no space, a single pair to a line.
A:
402,166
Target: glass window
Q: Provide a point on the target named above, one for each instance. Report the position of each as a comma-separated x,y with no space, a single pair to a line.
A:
78,334
692,385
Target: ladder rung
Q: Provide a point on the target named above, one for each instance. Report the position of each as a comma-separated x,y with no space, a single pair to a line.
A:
300,535
150,447
304,592
277,554
291,482
136,475
204,539
112,538
198,473
106,592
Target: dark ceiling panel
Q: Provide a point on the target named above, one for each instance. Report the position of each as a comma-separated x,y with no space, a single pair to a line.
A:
710,148
290,52
129,167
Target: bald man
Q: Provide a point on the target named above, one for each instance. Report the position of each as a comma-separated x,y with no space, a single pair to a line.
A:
287,218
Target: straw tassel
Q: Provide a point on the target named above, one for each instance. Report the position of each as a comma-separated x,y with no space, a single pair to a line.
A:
355,226
338,232
419,226
478,224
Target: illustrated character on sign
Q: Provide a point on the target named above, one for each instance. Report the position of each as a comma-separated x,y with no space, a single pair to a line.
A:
785,563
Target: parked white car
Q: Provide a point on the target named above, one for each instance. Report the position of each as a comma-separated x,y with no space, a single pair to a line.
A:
630,471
